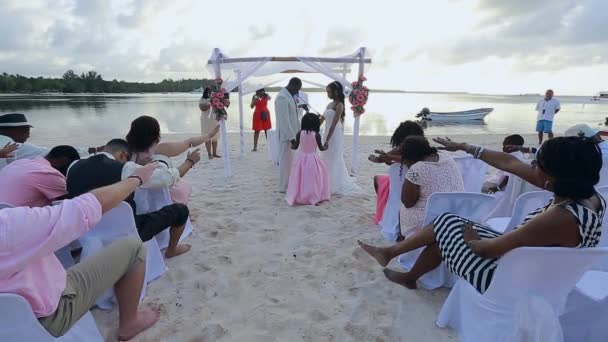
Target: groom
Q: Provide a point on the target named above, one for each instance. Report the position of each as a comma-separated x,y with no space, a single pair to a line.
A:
288,126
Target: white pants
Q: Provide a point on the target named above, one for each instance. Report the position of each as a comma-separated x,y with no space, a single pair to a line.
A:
285,160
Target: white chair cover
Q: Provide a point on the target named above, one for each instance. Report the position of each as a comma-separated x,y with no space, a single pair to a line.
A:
116,224
603,191
535,321
473,172
471,206
525,204
491,316
18,323
149,200
273,146
389,225
586,317
505,204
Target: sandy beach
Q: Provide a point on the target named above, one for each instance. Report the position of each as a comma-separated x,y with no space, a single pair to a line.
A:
260,270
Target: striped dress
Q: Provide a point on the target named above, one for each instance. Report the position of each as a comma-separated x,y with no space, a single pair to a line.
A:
478,271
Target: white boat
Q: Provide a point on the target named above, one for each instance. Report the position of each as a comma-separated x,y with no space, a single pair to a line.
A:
467,115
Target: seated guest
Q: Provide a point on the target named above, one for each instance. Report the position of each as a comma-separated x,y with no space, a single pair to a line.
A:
14,128
498,182
388,187
429,171
568,167
39,181
144,143
585,131
113,165
29,267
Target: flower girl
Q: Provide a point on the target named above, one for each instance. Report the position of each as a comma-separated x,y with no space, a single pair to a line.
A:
308,181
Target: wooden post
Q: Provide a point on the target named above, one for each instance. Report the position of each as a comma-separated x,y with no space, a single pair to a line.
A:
356,125
223,135
241,125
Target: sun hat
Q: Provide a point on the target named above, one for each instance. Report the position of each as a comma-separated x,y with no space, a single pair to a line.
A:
14,120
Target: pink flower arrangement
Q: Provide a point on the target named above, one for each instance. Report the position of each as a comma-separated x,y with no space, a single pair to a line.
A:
358,97
219,101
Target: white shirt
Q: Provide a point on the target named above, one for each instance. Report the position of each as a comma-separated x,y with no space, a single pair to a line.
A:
303,101
162,177
500,175
547,109
604,148
28,151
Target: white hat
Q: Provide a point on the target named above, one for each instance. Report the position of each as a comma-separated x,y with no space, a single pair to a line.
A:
581,130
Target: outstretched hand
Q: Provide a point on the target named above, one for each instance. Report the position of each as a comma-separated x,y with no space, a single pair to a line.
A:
448,144
8,149
194,156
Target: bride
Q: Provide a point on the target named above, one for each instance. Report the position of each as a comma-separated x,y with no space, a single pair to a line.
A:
333,157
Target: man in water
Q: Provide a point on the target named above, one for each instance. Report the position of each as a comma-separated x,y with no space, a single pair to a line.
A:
546,108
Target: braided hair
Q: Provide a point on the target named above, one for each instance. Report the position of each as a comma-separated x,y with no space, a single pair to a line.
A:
338,89
405,129
574,163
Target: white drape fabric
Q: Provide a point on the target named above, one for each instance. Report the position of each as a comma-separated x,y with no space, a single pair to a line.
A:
252,74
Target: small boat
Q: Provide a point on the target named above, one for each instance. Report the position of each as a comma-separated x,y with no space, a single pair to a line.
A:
467,115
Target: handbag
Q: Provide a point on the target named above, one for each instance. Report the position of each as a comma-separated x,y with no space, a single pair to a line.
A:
264,115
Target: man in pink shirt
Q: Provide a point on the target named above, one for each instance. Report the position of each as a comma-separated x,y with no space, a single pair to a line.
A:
39,181
29,268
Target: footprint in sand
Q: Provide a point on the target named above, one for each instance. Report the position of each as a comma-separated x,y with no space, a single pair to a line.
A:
226,260
317,316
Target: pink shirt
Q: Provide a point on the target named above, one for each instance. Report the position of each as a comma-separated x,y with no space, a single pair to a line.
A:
28,239
31,182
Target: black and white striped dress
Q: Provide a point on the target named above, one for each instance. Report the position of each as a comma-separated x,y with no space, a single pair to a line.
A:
478,271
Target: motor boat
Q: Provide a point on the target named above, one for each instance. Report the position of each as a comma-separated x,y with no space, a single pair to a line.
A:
463,116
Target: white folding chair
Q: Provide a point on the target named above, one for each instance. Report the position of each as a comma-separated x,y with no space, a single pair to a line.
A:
116,224
472,206
389,225
549,273
18,323
525,204
149,200
473,172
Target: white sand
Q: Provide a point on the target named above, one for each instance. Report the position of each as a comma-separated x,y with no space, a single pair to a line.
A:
260,270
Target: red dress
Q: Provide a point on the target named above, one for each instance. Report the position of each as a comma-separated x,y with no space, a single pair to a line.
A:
261,105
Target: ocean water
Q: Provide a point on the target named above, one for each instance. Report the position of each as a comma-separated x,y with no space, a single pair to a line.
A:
110,115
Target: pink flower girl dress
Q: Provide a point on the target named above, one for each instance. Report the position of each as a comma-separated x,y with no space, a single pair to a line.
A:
308,181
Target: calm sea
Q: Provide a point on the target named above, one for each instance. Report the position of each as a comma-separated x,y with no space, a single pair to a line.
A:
109,116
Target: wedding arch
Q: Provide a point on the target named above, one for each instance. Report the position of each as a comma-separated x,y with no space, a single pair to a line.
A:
249,74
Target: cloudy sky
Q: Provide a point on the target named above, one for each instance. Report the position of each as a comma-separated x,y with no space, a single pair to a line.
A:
487,46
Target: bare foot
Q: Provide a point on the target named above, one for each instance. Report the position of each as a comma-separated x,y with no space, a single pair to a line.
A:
210,157
377,253
401,278
254,150
179,250
217,156
145,319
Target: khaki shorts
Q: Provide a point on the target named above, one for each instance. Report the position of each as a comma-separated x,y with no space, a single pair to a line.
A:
88,280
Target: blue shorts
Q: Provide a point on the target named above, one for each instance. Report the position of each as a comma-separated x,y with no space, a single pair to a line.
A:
544,126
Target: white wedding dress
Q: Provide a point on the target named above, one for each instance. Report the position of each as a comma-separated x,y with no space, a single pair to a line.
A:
339,179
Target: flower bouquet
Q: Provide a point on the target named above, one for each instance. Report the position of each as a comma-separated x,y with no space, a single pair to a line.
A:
220,100
358,97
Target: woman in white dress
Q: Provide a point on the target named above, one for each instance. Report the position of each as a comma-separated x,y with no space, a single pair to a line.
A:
333,157
208,124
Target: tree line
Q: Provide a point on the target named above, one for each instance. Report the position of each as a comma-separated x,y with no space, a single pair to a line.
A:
92,82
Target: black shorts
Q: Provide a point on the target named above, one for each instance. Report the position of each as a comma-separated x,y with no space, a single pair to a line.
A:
150,224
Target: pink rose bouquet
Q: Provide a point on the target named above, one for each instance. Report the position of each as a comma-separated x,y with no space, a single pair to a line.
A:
358,97
220,100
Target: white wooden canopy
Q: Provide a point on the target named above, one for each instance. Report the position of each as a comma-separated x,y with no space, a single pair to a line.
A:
249,74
